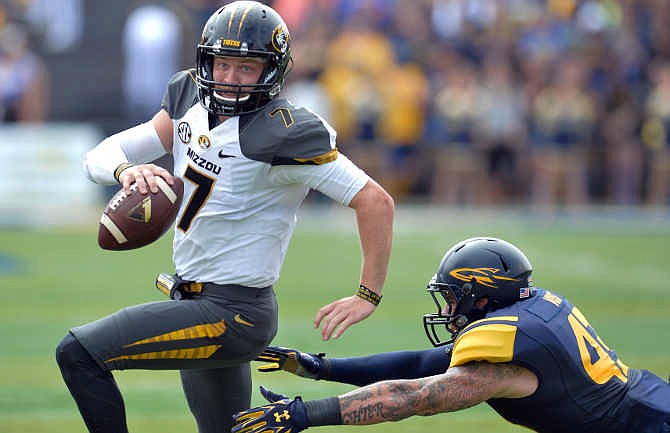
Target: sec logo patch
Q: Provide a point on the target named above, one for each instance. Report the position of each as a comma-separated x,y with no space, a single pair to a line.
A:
184,131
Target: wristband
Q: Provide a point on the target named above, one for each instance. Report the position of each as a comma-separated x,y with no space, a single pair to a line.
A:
120,168
326,411
368,295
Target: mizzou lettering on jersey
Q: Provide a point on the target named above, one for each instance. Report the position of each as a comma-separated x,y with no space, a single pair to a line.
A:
202,162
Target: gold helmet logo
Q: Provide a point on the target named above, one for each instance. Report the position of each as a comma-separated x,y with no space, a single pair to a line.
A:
280,38
484,276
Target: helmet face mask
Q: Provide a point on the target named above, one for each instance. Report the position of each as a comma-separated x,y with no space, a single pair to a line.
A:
446,322
474,270
244,29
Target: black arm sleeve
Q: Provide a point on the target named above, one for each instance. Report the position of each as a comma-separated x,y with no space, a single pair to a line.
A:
364,370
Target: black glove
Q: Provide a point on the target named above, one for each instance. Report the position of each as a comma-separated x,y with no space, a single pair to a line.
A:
282,415
292,360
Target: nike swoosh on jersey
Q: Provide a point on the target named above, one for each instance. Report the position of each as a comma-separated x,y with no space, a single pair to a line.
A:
239,319
223,155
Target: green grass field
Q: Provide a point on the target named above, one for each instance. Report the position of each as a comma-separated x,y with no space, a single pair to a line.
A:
617,271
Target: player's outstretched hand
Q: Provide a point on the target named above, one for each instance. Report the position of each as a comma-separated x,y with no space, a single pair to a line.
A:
294,361
281,415
337,316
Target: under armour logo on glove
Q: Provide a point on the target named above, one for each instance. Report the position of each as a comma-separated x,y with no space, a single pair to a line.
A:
282,415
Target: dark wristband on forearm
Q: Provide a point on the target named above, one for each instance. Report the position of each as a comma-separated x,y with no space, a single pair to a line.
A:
325,411
368,295
120,168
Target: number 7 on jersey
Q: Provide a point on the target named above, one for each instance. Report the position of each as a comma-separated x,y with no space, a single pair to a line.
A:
203,188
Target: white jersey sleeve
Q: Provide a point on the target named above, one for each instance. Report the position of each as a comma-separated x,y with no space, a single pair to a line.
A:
340,179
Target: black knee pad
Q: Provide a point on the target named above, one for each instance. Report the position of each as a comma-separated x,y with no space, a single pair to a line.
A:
71,356
92,387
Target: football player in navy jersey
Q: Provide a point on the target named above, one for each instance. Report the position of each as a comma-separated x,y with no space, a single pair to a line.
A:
527,352
248,158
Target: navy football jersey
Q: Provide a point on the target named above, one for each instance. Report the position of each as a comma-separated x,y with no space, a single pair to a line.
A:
583,385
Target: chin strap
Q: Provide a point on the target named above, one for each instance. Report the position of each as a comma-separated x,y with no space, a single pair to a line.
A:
460,321
212,119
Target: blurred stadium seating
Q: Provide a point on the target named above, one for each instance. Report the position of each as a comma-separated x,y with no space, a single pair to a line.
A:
539,103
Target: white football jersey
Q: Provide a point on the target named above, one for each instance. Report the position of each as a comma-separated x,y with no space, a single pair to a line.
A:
243,183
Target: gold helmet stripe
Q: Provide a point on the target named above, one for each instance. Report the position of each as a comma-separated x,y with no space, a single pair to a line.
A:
232,15
244,15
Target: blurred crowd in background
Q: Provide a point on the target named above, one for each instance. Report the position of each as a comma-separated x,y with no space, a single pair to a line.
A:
462,102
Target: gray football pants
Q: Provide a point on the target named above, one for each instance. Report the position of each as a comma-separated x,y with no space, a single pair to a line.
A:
210,338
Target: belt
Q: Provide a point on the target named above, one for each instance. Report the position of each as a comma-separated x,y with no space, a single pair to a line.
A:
178,289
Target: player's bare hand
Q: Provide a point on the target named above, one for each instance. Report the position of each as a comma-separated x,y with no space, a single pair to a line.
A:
145,177
337,316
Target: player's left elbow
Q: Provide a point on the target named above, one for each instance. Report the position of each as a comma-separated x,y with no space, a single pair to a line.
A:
386,202
383,204
374,197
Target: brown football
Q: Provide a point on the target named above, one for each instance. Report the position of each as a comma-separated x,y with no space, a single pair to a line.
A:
134,220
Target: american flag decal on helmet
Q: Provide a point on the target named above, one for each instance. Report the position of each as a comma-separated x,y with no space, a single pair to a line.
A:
524,292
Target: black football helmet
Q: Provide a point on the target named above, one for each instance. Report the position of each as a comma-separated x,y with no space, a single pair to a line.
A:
243,29
473,269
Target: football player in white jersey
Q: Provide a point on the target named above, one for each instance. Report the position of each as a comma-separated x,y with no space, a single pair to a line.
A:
248,159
